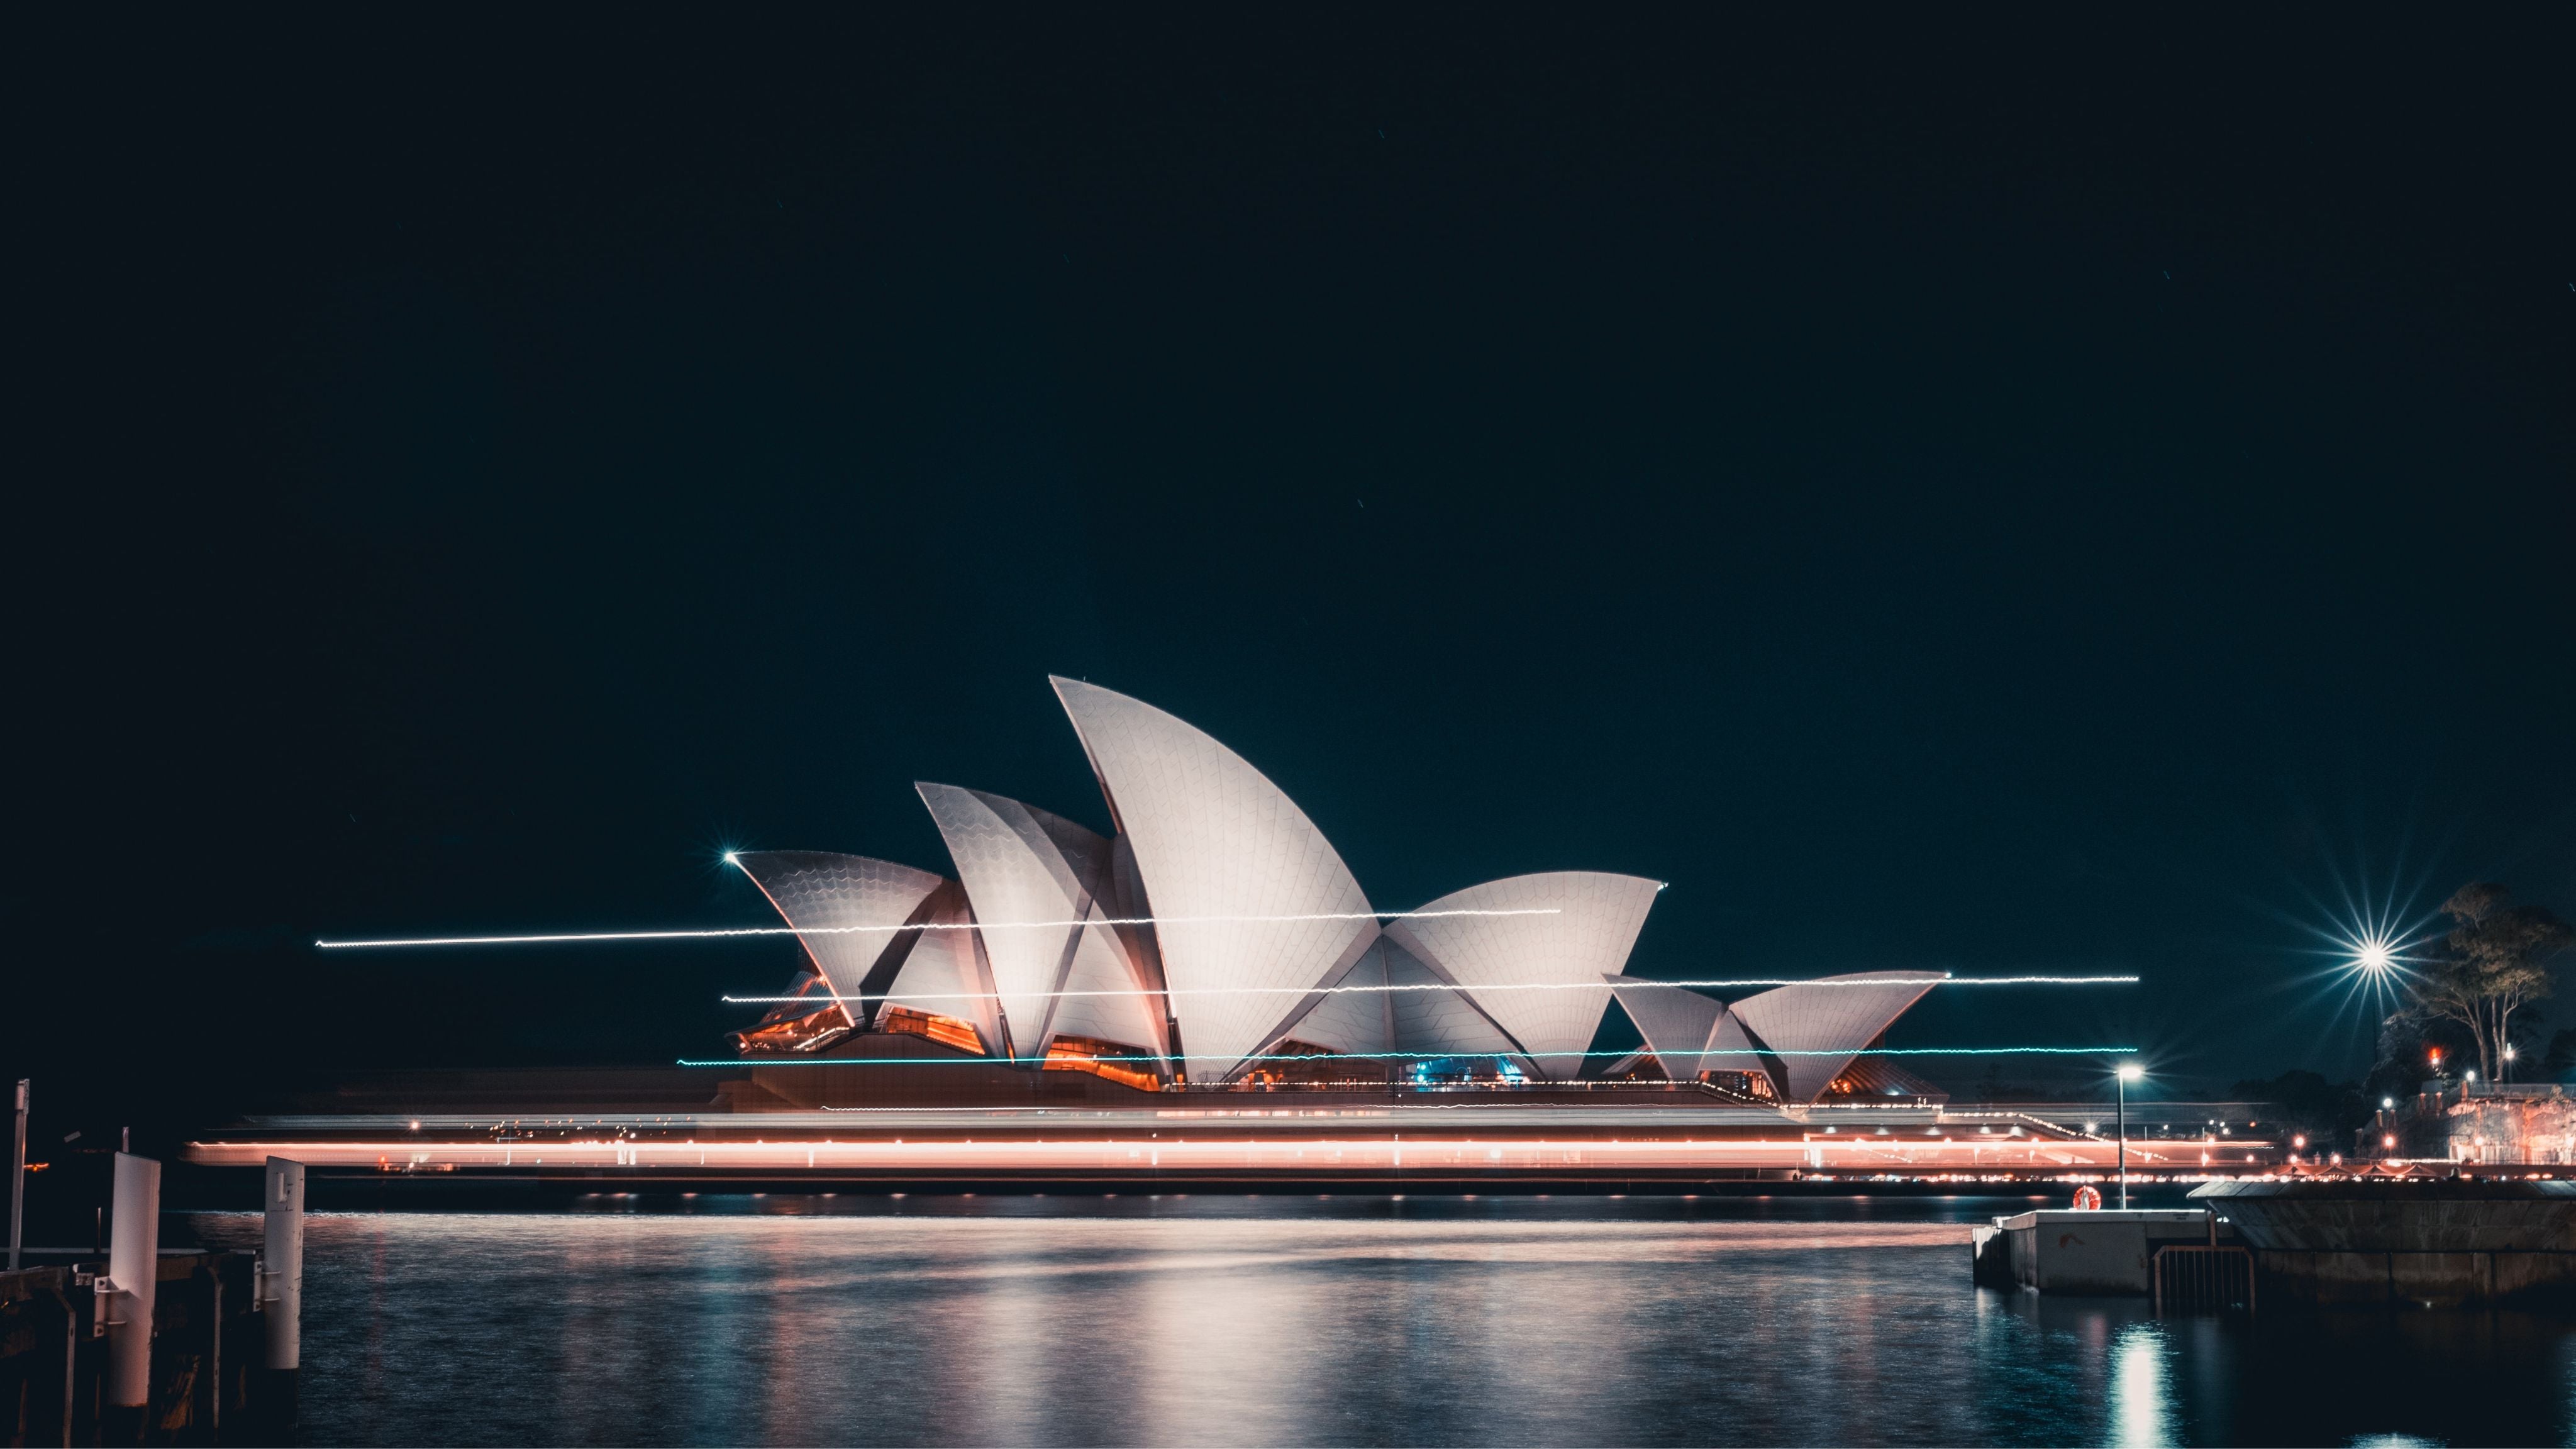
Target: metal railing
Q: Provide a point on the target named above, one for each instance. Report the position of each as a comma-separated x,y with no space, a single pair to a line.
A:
2192,1277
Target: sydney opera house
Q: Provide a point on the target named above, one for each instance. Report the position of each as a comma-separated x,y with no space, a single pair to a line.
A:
1217,940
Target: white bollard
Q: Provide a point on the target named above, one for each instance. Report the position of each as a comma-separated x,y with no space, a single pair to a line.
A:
281,1293
134,1265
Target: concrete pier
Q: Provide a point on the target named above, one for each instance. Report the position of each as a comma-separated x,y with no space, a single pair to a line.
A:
2105,1252
2398,1242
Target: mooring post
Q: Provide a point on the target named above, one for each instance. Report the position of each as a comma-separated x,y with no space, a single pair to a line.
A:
18,1181
280,1295
71,1360
214,1271
134,1267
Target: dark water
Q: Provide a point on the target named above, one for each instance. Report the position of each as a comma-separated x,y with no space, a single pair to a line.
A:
1344,1321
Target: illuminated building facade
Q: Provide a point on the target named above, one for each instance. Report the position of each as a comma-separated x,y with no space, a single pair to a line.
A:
1217,937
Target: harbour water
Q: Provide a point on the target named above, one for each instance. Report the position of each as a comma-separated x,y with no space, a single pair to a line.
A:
1263,1320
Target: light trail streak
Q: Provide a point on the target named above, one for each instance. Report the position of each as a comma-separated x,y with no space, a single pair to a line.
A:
2017,1051
1905,981
717,933
1219,1150
1444,986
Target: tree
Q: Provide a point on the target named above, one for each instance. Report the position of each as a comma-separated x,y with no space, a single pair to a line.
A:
2326,1111
2407,1039
2561,1057
2494,962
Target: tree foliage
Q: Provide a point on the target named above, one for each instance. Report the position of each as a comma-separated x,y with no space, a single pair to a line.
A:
2494,962
2326,1111
2407,1039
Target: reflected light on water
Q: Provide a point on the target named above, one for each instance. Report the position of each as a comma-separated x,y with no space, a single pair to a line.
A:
2141,1389
1240,1320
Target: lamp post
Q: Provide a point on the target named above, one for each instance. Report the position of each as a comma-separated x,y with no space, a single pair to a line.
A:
2128,1072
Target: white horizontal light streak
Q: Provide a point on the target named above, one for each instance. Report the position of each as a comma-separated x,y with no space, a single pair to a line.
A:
717,933
1473,991
2011,1051
1170,1155
1946,980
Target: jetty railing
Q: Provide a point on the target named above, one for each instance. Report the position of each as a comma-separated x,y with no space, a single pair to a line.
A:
2199,1276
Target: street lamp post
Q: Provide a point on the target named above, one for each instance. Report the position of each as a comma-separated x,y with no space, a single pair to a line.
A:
2128,1072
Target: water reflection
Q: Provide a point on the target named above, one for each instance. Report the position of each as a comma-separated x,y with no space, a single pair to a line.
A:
2141,1397
1273,1321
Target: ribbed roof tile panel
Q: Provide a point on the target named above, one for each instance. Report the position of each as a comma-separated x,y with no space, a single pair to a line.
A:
846,909
1730,1050
1104,996
1352,1019
1225,856
1833,1015
1675,1021
945,973
1030,876
1538,975
1435,1018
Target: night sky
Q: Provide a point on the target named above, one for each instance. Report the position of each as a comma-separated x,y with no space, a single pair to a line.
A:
1942,489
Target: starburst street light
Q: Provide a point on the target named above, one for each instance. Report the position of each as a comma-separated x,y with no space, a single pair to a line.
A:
2365,950
2363,944
2369,933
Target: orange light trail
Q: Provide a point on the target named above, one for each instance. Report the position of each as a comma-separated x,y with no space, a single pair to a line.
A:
1183,1156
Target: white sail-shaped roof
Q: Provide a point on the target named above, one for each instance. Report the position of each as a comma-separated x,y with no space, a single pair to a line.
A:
1101,995
1031,875
1420,1016
1730,1050
1434,1018
847,909
1358,1016
1676,1022
944,972
1834,1016
1251,903
1538,971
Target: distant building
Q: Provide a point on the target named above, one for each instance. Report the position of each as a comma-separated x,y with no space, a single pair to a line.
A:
2487,1123
1217,937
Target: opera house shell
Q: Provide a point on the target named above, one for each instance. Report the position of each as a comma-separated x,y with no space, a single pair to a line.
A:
1217,937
